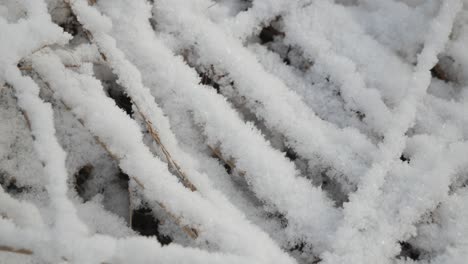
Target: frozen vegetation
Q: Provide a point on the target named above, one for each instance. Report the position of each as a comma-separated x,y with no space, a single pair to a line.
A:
234,131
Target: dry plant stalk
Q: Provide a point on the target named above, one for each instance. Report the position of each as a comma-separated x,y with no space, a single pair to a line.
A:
25,115
30,68
172,163
218,154
228,162
21,251
24,251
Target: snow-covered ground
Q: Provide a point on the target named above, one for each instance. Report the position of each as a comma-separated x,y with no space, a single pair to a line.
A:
234,131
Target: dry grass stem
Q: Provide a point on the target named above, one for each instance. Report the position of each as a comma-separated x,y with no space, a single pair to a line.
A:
228,162
22,251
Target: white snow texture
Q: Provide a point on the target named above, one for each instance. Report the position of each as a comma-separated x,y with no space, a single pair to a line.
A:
234,131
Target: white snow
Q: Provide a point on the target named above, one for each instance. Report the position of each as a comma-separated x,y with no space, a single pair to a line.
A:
216,131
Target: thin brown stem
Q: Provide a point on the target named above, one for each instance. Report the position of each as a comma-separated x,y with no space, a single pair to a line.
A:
22,251
172,163
228,162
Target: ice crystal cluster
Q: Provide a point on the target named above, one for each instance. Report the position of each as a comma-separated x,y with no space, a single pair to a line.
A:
234,131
